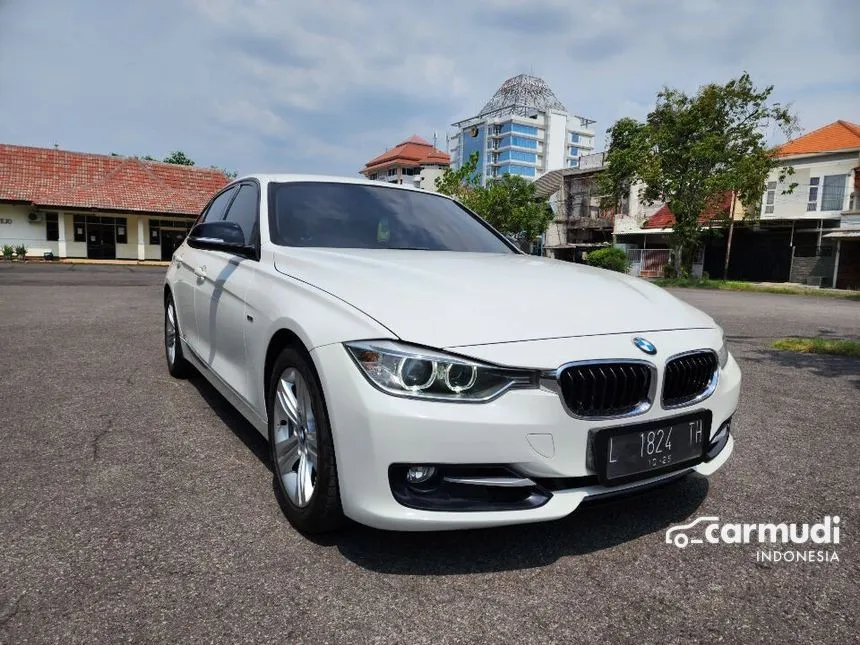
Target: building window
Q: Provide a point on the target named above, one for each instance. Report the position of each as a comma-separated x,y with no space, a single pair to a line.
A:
374,175
524,129
771,197
52,229
79,224
154,231
833,195
812,200
392,172
574,137
121,231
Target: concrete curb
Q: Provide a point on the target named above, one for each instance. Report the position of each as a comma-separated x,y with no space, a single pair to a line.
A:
147,263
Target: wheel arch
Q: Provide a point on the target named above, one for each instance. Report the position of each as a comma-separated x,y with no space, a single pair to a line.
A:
280,340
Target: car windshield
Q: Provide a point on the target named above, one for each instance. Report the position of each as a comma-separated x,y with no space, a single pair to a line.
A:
359,216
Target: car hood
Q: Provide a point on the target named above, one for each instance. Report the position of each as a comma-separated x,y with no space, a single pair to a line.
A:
448,299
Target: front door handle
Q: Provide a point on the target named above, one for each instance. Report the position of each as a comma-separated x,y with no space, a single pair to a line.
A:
200,272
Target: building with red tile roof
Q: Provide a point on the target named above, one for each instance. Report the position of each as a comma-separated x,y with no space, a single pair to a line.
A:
75,204
415,162
837,136
665,219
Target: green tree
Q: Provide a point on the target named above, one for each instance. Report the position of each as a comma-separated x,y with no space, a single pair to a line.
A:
463,183
231,174
508,203
610,257
179,158
691,150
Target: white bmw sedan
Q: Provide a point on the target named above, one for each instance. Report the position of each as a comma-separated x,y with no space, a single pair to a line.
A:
413,370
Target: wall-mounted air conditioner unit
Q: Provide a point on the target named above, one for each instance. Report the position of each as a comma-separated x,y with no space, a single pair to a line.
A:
35,218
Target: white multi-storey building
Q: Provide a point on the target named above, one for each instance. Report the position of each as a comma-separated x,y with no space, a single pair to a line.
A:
414,162
523,130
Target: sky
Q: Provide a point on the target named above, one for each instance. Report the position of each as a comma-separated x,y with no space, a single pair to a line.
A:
322,87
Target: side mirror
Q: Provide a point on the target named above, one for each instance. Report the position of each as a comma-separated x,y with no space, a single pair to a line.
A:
220,236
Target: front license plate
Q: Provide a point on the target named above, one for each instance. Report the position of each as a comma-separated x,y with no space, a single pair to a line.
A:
627,453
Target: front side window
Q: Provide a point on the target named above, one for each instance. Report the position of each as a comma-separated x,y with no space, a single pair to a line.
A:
833,193
244,211
215,212
336,215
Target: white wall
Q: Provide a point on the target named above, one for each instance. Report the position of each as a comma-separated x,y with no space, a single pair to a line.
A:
556,143
637,214
427,179
793,206
15,229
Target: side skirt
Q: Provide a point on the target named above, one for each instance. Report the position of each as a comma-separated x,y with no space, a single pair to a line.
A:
227,392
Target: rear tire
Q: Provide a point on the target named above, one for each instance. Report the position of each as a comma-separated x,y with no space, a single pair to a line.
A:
177,365
301,446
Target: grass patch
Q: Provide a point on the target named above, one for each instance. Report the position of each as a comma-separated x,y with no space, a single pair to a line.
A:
832,346
735,285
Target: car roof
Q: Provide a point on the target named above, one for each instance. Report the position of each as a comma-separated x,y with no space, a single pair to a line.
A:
264,178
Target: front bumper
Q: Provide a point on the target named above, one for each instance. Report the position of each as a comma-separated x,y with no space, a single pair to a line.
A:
528,431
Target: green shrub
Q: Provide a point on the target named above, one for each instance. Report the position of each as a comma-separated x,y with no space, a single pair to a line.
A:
8,250
611,258
21,251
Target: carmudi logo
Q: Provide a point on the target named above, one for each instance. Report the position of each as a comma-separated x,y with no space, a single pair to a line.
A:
823,536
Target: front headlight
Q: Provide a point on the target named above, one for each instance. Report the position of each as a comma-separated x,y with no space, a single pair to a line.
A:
402,370
723,352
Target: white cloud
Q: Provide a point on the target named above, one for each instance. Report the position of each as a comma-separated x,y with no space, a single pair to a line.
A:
323,87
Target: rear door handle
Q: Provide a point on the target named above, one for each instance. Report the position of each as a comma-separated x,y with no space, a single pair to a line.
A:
200,272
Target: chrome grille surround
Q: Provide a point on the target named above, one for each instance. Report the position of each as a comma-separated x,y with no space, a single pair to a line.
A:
604,389
690,378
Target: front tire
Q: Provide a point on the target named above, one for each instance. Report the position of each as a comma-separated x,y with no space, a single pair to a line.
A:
177,365
301,446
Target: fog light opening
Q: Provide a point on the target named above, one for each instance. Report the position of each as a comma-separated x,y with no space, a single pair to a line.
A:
420,474
719,440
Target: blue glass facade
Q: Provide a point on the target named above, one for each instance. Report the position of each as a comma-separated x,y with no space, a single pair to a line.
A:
573,151
477,144
518,155
509,127
510,169
574,137
520,142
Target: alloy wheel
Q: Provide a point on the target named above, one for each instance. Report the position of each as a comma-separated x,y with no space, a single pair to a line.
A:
295,437
170,333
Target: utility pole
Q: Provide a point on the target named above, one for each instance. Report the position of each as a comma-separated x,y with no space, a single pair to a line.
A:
729,239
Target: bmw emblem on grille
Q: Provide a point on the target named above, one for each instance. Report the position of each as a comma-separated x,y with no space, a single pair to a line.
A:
645,345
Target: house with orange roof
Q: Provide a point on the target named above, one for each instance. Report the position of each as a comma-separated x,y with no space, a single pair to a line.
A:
807,234
80,205
413,162
810,219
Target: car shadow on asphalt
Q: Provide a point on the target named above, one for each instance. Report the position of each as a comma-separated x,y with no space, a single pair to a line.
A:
592,527
231,417
846,367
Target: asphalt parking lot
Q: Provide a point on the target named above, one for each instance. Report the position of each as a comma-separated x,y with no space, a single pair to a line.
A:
137,508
